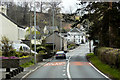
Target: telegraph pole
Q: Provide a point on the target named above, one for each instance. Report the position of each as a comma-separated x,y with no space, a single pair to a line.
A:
89,36
60,33
30,27
35,31
53,26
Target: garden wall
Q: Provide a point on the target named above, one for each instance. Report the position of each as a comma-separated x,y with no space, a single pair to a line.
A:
14,63
39,58
109,56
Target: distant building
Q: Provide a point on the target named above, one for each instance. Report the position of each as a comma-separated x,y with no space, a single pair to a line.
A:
9,28
76,35
32,36
50,29
60,42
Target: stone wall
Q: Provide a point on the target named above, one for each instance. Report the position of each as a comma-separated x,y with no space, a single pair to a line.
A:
14,63
39,58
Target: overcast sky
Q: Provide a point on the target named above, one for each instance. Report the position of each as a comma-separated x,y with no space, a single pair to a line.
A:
69,5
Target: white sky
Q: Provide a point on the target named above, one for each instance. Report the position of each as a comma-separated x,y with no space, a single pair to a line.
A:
69,5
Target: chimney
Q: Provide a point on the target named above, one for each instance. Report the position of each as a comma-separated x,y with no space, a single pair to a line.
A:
3,9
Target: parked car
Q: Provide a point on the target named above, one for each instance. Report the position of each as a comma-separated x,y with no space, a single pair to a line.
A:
60,54
25,48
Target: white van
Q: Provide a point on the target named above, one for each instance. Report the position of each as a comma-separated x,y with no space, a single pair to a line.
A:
25,48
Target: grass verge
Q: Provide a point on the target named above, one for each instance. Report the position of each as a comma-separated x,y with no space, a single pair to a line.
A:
28,64
113,73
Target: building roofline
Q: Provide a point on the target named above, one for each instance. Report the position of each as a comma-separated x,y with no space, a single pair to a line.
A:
12,20
56,34
75,28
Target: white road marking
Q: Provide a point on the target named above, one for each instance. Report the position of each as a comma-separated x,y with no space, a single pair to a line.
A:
64,74
64,65
63,70
66,59
68,70
100,72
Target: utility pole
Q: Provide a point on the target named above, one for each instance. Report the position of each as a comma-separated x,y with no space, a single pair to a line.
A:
89,36
41,5
60,33
35,31
30,28
53,26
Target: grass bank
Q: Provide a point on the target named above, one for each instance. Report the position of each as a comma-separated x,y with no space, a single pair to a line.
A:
106,69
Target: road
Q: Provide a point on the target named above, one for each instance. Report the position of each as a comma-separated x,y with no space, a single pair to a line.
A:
75,67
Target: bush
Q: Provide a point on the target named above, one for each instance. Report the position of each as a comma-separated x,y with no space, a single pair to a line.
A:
42,52
7,46
24,57
45,50
41,48
109,56
12,52
71,46
50,46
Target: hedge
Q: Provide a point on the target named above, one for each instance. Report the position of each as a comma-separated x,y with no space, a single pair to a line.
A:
110,56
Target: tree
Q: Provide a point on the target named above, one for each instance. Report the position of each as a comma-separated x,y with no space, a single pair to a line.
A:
104,22
7,46
19,13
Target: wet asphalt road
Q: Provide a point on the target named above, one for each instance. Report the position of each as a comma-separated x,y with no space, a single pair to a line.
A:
79,68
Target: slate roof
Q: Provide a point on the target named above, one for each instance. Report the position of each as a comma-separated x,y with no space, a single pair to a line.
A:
54,34
51,28
12,20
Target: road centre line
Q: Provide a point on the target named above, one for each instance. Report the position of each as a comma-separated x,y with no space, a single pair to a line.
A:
63,70
64,74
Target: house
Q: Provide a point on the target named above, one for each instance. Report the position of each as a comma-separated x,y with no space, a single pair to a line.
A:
32,36
9,28
55,38
76,35
50,29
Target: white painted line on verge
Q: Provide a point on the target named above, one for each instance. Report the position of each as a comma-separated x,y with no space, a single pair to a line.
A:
68,69
100,72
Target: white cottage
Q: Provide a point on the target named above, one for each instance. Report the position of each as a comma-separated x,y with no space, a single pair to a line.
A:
77,36
10,28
